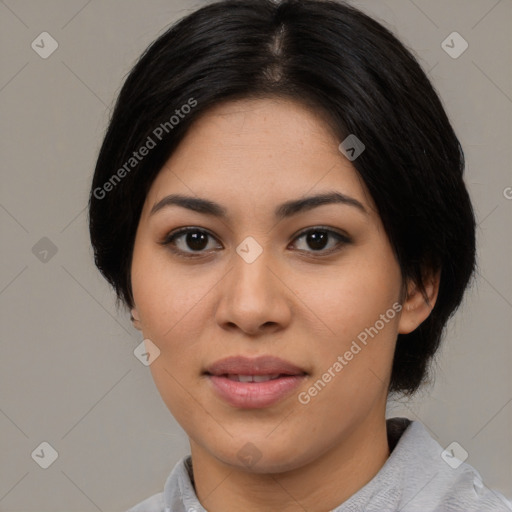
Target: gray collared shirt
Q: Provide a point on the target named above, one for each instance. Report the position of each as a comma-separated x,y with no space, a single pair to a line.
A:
415,478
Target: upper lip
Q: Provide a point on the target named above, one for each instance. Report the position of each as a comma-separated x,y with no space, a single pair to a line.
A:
262,365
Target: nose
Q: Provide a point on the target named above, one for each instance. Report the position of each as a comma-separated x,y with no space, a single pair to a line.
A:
253,297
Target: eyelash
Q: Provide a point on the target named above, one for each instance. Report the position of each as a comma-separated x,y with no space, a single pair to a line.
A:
171,237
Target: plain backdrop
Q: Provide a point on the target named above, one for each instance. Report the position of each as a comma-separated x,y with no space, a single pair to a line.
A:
68,374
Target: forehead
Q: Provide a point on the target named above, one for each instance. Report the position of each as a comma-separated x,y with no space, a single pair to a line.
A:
266,122
273,148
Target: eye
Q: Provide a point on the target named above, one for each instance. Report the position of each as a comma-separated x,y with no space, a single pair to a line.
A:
192,238
320,239
195,242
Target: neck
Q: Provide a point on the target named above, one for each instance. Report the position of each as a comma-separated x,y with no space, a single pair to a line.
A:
318,486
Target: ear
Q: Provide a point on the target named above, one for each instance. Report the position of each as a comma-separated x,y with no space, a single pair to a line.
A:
415,309
135,319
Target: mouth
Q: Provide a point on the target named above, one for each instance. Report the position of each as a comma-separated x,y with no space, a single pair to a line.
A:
253,378
268,366
254,383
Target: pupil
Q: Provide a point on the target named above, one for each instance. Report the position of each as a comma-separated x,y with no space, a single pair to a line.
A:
197,241
317,239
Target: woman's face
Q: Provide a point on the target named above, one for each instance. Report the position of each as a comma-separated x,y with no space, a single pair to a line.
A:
314,284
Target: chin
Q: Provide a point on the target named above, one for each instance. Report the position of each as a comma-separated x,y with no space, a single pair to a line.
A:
263,457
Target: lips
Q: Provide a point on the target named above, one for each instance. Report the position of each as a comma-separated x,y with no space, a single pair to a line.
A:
262,365
254,383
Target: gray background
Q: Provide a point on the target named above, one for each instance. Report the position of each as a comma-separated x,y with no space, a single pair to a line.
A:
68,375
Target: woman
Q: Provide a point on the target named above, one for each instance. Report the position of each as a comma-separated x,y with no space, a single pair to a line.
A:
279,201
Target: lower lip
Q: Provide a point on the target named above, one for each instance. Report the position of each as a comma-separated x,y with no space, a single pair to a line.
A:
254,395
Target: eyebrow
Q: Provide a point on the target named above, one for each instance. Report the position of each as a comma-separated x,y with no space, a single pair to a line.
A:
285,210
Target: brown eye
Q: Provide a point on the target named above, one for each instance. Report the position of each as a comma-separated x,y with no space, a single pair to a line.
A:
322,240
188,241
196,240
317,240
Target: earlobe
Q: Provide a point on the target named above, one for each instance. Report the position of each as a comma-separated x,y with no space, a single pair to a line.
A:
134,317
415,309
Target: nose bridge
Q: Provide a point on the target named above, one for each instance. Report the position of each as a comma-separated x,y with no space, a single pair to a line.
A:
251,295
251,275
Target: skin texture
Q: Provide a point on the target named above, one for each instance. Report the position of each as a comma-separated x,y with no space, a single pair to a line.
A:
250,156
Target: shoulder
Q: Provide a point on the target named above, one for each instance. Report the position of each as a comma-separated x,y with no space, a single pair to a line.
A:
434,479
468,493
178,490
420,476
154,503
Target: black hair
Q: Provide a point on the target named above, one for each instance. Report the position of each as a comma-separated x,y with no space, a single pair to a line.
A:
339,61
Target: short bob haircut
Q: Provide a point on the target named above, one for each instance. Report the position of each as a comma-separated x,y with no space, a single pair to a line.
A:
330,57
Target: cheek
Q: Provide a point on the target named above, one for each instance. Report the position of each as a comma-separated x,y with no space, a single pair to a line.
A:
356,304
352,297
167,296
352,364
